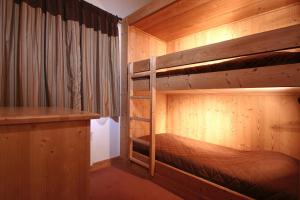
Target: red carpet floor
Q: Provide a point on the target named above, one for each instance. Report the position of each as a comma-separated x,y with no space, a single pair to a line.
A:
115,183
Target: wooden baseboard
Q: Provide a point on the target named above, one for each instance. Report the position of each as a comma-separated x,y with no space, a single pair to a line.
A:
103,164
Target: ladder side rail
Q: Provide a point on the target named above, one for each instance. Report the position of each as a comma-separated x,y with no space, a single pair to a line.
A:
152,114
130,93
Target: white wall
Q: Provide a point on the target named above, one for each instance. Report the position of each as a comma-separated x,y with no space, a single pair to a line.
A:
105,139
105,132
122,8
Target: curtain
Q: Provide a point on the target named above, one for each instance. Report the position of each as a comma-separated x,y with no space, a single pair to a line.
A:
100,56
62,53
59,53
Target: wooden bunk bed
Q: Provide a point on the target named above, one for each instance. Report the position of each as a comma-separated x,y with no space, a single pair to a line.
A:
268,59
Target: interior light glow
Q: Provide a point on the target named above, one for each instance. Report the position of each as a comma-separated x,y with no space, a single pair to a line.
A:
236,90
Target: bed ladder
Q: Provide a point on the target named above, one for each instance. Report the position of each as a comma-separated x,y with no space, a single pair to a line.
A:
152,98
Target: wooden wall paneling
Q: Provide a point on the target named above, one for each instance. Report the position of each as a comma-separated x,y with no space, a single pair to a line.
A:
124,121
241,121
253,44
161,113
288,127
141,107
194,16
143,45
147,10
278,18
141,85
169,13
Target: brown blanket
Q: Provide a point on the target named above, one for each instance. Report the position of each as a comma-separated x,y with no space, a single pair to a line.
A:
253,61
257,174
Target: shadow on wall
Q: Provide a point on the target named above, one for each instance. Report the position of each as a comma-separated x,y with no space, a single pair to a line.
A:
293,126
105,139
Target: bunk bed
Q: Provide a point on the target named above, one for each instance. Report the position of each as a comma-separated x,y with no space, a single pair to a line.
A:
268,59
166,78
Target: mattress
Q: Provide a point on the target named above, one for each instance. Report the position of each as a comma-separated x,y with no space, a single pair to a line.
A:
252,61
257,174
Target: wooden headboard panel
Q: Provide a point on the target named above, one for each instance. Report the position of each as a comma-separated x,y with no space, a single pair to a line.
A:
241,121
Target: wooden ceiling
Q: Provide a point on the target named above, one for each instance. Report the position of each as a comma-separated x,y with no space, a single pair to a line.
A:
184,17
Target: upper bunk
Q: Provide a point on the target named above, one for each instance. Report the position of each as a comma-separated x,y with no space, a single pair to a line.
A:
211,44
268,59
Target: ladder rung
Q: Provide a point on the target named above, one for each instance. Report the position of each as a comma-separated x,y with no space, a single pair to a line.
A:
140,97
141,74
140,119
137,161
144,142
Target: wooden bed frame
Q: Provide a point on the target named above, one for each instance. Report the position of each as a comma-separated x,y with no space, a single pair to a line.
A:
271,76
187,185
277,76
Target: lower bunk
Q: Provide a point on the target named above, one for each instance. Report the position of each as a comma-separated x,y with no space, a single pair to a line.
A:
210,171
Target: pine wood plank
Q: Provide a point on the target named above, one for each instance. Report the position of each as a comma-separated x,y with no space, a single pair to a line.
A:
130,93
275,40
124,120
147,10
28,115
153,114
140,66
140,141
273,76
187,185
45,160
185,17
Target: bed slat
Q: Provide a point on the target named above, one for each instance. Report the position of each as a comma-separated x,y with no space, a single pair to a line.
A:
140,75
140,141
140,119
140,66
140,97
137,161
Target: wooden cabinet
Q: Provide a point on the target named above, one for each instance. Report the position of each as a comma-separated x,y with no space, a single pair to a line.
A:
44,154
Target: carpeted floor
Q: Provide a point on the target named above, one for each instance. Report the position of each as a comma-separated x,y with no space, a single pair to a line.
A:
115,183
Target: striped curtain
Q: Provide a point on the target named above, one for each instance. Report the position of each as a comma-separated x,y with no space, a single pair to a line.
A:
59,53
101,60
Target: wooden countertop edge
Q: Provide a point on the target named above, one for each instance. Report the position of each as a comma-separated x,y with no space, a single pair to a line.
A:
31,119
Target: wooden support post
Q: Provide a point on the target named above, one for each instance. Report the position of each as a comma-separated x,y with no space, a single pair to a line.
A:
130,94
152,113
124,121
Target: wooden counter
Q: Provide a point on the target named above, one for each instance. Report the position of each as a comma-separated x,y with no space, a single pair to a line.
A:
44,153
